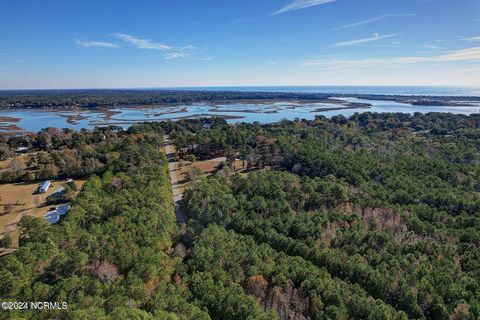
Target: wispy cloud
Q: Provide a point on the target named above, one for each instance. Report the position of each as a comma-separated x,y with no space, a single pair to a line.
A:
472,38
367,21
375,37
141,43
170,52
470,54
175,55
207,59
181,53
468,70
95,44
21,60
430,46
301,4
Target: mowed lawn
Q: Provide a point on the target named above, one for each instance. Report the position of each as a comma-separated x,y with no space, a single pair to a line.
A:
19,199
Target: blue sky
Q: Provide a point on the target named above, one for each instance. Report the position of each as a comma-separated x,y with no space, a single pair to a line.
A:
120,43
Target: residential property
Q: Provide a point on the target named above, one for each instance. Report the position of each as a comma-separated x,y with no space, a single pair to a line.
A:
57,196
207,125
63,209
44,186
21,150
53,216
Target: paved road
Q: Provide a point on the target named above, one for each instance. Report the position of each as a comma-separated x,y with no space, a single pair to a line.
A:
176,190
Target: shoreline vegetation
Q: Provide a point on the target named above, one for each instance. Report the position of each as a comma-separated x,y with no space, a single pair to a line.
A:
8,125
94,99
197,116
73,104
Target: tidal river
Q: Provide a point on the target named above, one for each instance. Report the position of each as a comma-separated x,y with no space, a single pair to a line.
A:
33,120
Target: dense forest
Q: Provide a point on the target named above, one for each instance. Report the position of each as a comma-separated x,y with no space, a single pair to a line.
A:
375,216
388,203
112,255
109,98
70,154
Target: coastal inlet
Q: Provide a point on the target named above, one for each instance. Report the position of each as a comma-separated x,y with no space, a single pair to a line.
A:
18,121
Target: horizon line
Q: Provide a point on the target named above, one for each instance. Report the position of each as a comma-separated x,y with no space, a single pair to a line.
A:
240,86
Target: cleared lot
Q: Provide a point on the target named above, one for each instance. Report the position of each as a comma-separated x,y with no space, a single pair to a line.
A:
18,199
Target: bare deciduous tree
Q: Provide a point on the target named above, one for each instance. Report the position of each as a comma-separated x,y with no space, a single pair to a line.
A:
104,270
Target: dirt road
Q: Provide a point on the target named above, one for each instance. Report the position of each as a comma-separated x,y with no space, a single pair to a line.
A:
172,170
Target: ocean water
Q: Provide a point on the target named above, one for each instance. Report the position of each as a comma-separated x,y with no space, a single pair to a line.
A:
384,90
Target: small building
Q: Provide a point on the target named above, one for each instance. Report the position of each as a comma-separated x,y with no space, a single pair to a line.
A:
54,215
63,209
44,186
57,196
207,125
23,150
59,192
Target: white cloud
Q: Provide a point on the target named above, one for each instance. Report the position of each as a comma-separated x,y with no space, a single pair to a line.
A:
207,59
470,54
430,46
301,4
367,21
21,60
171,53
375,37
175,55
472,38
468,70
181,53
95,44
141,43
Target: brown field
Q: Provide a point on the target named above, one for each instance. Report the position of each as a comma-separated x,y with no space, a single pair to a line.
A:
207,167
22,200
21,160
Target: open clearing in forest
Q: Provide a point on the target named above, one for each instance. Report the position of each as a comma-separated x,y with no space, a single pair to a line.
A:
179,173
207,167
20,160
18,200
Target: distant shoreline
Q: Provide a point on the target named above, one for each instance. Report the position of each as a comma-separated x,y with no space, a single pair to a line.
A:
107,99
99,108
406,90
